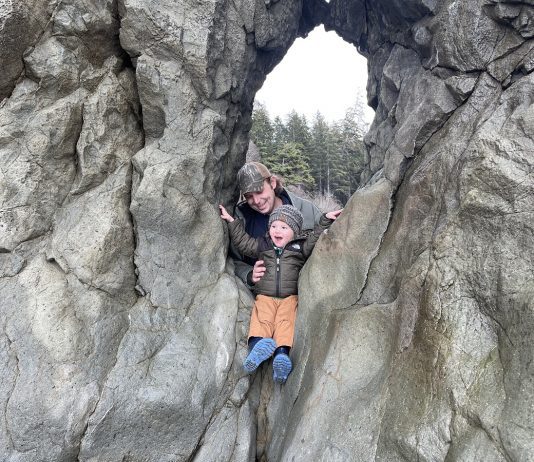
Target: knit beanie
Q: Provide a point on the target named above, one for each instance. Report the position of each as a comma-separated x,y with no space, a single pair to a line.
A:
289,215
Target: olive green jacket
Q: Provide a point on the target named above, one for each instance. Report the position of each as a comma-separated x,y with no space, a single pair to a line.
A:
283,266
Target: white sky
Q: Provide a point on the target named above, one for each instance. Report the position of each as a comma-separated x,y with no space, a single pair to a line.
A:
319,73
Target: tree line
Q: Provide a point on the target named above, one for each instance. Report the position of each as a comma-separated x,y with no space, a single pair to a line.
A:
321,158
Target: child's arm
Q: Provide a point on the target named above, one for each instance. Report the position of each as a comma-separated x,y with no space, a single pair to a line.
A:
244,243
324,223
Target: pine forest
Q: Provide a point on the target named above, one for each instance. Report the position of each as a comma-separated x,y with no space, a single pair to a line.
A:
320,160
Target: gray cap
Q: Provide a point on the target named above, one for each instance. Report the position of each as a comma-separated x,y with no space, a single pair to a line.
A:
288,214
251,176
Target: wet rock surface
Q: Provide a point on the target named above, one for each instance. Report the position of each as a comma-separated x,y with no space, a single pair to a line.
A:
123,329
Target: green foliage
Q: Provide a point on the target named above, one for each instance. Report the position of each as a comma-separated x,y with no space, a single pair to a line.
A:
349,161
324,159
262,131
291,164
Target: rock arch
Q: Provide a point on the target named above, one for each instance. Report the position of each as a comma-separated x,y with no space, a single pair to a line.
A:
124,123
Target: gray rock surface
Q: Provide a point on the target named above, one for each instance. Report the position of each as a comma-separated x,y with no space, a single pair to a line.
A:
21,24
123,329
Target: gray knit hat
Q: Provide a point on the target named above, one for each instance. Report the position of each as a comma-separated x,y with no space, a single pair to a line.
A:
251,176
288,214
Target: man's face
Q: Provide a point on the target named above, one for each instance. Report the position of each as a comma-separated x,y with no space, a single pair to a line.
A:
280,233
263,201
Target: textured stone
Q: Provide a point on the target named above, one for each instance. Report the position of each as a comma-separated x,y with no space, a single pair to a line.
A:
38,166
111,131
21,24
93,237
123,329
61,342
341,405
166,382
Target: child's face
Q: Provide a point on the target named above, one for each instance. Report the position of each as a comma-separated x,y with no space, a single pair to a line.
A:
280,233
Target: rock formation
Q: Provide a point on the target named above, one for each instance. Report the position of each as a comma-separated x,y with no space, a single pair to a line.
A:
122,125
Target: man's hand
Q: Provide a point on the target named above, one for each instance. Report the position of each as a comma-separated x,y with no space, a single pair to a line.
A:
258,271
225,215
333,215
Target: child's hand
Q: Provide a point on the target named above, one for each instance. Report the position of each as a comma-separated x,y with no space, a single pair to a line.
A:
333,215
258,271
225,215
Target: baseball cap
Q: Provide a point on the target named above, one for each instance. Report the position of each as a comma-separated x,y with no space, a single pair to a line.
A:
250,177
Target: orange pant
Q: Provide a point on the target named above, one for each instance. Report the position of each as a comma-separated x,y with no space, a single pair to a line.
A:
274,318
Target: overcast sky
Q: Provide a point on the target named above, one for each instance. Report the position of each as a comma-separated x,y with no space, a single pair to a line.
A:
319,73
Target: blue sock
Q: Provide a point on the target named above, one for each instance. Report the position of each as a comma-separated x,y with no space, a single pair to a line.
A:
263,349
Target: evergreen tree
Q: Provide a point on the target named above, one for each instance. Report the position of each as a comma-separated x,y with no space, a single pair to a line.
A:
291,164
320,153
349,159
297,130
262,131
356,116
339,171
280,136
325,160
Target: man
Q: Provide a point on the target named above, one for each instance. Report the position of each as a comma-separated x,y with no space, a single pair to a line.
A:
263,193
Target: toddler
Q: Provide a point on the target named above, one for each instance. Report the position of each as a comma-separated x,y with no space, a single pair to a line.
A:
284,252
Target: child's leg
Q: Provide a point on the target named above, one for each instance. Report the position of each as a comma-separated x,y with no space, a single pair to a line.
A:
262,317
284,321
263,349
260,343
283,334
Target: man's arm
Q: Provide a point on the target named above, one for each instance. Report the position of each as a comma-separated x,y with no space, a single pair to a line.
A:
310,212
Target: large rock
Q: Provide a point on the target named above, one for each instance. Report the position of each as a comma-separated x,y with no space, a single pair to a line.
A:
123,329
21,24
37,149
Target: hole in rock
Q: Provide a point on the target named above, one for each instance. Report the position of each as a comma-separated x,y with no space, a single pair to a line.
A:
310,117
